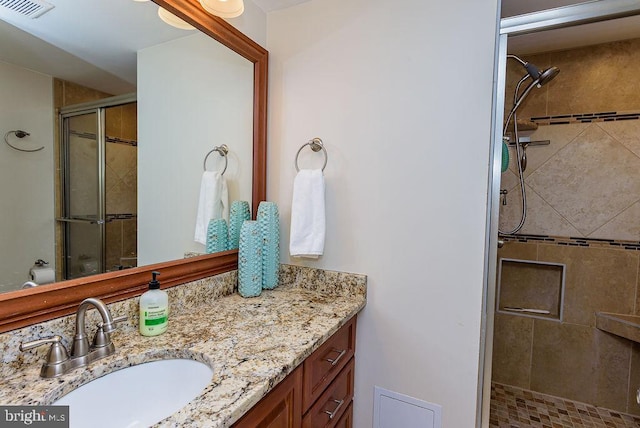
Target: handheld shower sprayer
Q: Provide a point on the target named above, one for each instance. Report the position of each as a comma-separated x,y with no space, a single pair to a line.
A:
539,79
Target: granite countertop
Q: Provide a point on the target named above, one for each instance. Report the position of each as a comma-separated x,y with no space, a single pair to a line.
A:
251,344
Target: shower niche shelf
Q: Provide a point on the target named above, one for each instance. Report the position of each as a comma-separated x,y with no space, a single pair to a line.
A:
530,288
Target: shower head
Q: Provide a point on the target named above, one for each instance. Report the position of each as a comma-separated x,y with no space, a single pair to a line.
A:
540,78
547,76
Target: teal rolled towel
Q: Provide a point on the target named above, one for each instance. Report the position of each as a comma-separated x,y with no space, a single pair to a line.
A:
505,157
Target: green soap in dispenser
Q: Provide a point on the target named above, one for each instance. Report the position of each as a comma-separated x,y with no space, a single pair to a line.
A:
154,309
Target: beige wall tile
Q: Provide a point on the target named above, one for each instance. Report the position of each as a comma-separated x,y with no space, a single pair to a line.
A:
634,381
612,358
588,182
625,226
518,250
512,350
597,279
542,218
130,121
114,244
627,132
113,122
580,363
509,180
562,360
75,94
598,78
558,135
129,238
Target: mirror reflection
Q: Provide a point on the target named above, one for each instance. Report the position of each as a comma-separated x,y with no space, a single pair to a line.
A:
130,169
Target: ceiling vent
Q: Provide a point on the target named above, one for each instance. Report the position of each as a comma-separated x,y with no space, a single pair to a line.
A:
28,8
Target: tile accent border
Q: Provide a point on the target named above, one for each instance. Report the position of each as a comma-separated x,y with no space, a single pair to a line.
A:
565,119
574,242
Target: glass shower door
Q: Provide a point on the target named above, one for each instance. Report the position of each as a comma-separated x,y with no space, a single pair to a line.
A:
83,206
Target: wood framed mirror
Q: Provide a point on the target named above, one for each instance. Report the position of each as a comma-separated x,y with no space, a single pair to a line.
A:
26,307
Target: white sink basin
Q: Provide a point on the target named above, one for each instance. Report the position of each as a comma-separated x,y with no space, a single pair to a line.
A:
137,396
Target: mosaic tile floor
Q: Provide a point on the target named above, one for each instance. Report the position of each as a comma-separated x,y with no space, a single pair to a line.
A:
519,408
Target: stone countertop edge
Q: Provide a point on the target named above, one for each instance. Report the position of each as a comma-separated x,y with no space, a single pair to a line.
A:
251,344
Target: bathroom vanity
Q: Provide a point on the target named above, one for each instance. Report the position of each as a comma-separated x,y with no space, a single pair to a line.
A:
285,356
316,394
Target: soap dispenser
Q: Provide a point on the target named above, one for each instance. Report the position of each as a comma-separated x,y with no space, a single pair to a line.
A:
154,309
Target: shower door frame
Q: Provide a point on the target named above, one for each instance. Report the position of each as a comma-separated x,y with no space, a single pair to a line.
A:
562,17
64,220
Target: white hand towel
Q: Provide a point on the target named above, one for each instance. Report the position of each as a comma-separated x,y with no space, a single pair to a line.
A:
307,214
213,203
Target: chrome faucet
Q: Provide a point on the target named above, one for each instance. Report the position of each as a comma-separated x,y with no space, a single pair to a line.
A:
80,347
58,360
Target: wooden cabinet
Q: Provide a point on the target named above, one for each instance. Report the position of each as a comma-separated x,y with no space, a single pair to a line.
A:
334,401
317,394
281,408
346,421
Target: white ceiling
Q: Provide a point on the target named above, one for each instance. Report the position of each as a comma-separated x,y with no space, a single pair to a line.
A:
271,5
566,38
94,42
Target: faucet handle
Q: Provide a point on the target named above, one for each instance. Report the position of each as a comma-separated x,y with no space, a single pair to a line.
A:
101,338
56,356
25,346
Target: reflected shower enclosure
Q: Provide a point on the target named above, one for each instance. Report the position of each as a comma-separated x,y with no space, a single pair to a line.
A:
99,187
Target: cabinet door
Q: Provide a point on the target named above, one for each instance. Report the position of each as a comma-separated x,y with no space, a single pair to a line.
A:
281,408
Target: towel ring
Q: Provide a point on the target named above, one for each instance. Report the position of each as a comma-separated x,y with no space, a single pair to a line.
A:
20,134
316,145
223,150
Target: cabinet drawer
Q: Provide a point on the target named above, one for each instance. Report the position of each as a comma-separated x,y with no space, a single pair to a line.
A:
326,362
332,404
346,421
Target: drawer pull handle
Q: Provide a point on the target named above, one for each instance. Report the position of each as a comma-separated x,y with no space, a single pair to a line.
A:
335,411
335,360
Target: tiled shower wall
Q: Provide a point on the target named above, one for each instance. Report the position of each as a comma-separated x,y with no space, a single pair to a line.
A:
584,184
120,176
573,359
121,185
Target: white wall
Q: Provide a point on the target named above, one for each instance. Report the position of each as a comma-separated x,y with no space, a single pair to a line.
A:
401,94
193,94
26,179
252,22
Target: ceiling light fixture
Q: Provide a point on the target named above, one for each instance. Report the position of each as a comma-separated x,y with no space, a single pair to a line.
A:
223,8
173,20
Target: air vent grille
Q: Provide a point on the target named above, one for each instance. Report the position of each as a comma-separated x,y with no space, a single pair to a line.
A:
29,8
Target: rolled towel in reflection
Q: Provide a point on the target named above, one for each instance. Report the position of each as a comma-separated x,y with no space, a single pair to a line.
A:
213,203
